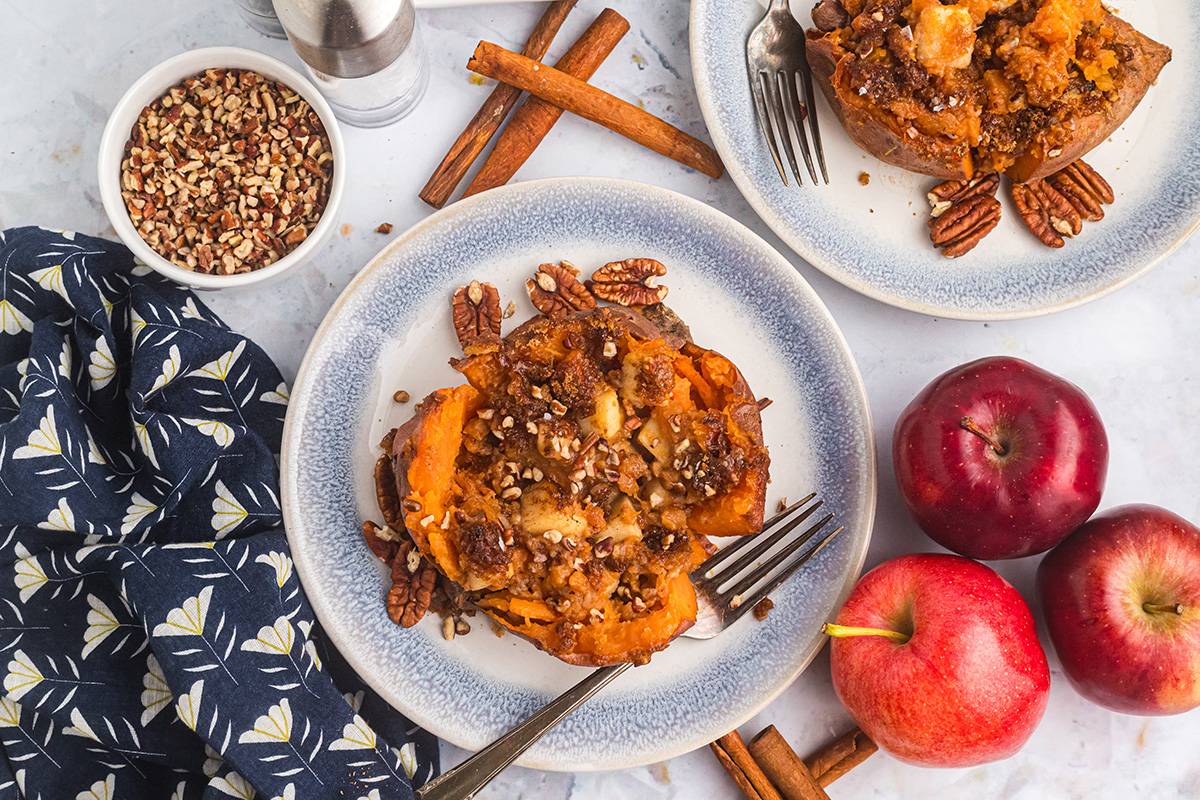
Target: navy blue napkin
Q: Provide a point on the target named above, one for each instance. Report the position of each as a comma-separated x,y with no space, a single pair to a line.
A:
154,637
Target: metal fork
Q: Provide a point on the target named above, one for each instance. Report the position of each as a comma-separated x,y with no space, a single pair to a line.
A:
719,605
775,57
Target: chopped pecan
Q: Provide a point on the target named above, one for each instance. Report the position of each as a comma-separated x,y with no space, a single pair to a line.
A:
476,312
381,542
215,185
944,195
632,282
386,494
1084,189
413,579
556,291
1048,215
964,224
762,608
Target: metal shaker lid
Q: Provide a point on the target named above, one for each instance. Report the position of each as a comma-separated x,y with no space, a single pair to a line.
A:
347,38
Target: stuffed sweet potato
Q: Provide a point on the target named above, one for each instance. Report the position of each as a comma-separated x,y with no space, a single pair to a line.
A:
1022,87
570,485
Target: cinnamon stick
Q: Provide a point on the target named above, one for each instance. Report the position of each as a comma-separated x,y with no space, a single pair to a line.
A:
731,751
486,122
840,756
585,100
784,768
533,120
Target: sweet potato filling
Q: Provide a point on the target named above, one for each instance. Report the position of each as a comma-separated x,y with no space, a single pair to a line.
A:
571,484
992,77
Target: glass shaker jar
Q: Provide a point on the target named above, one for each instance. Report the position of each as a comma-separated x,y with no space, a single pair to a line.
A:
260,15
366,56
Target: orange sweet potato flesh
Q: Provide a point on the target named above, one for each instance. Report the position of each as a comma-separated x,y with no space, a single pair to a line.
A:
739,511
1149,57
428,457
598,644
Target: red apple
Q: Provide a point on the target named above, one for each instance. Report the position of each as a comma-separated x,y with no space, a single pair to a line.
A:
1000,459
1122,603
937,659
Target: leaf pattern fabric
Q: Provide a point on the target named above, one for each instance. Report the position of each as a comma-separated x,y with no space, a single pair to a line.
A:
154,638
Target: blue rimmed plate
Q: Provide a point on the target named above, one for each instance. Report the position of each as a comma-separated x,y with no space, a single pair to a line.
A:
391,330
873,238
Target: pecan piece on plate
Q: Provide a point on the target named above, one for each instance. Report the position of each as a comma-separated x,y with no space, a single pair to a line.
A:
476,312
632,282
556,291
1084,189
945,195
1046,213
386,493
382,542
963,225
413,579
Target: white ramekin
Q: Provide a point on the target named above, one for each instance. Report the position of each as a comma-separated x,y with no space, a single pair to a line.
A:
153,85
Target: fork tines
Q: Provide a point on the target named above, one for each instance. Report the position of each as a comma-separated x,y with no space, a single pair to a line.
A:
783,120
777,65
714,575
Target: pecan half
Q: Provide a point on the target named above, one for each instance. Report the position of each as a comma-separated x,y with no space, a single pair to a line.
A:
1046,213
556,291
413,579
829,15
476,312
944,195
386,494
380,542
632,282
964,224
1084,189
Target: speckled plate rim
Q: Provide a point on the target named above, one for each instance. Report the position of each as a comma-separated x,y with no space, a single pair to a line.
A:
298,407
731,155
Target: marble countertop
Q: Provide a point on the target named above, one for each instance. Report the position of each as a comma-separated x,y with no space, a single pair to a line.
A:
1135,352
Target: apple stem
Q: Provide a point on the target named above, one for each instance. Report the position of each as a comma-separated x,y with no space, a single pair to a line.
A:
841,631
1163,608
969,424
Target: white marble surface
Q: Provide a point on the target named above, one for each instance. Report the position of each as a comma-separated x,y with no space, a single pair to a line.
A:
1136,353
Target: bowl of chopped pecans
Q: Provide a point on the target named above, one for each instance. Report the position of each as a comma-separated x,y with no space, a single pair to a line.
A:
222,168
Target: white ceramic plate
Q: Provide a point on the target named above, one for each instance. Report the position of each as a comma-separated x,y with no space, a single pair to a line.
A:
391,330
873,238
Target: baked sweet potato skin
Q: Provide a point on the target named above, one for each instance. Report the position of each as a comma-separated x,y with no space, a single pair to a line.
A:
871,133
1142,70
953,161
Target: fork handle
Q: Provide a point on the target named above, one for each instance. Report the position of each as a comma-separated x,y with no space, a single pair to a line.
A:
476,772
